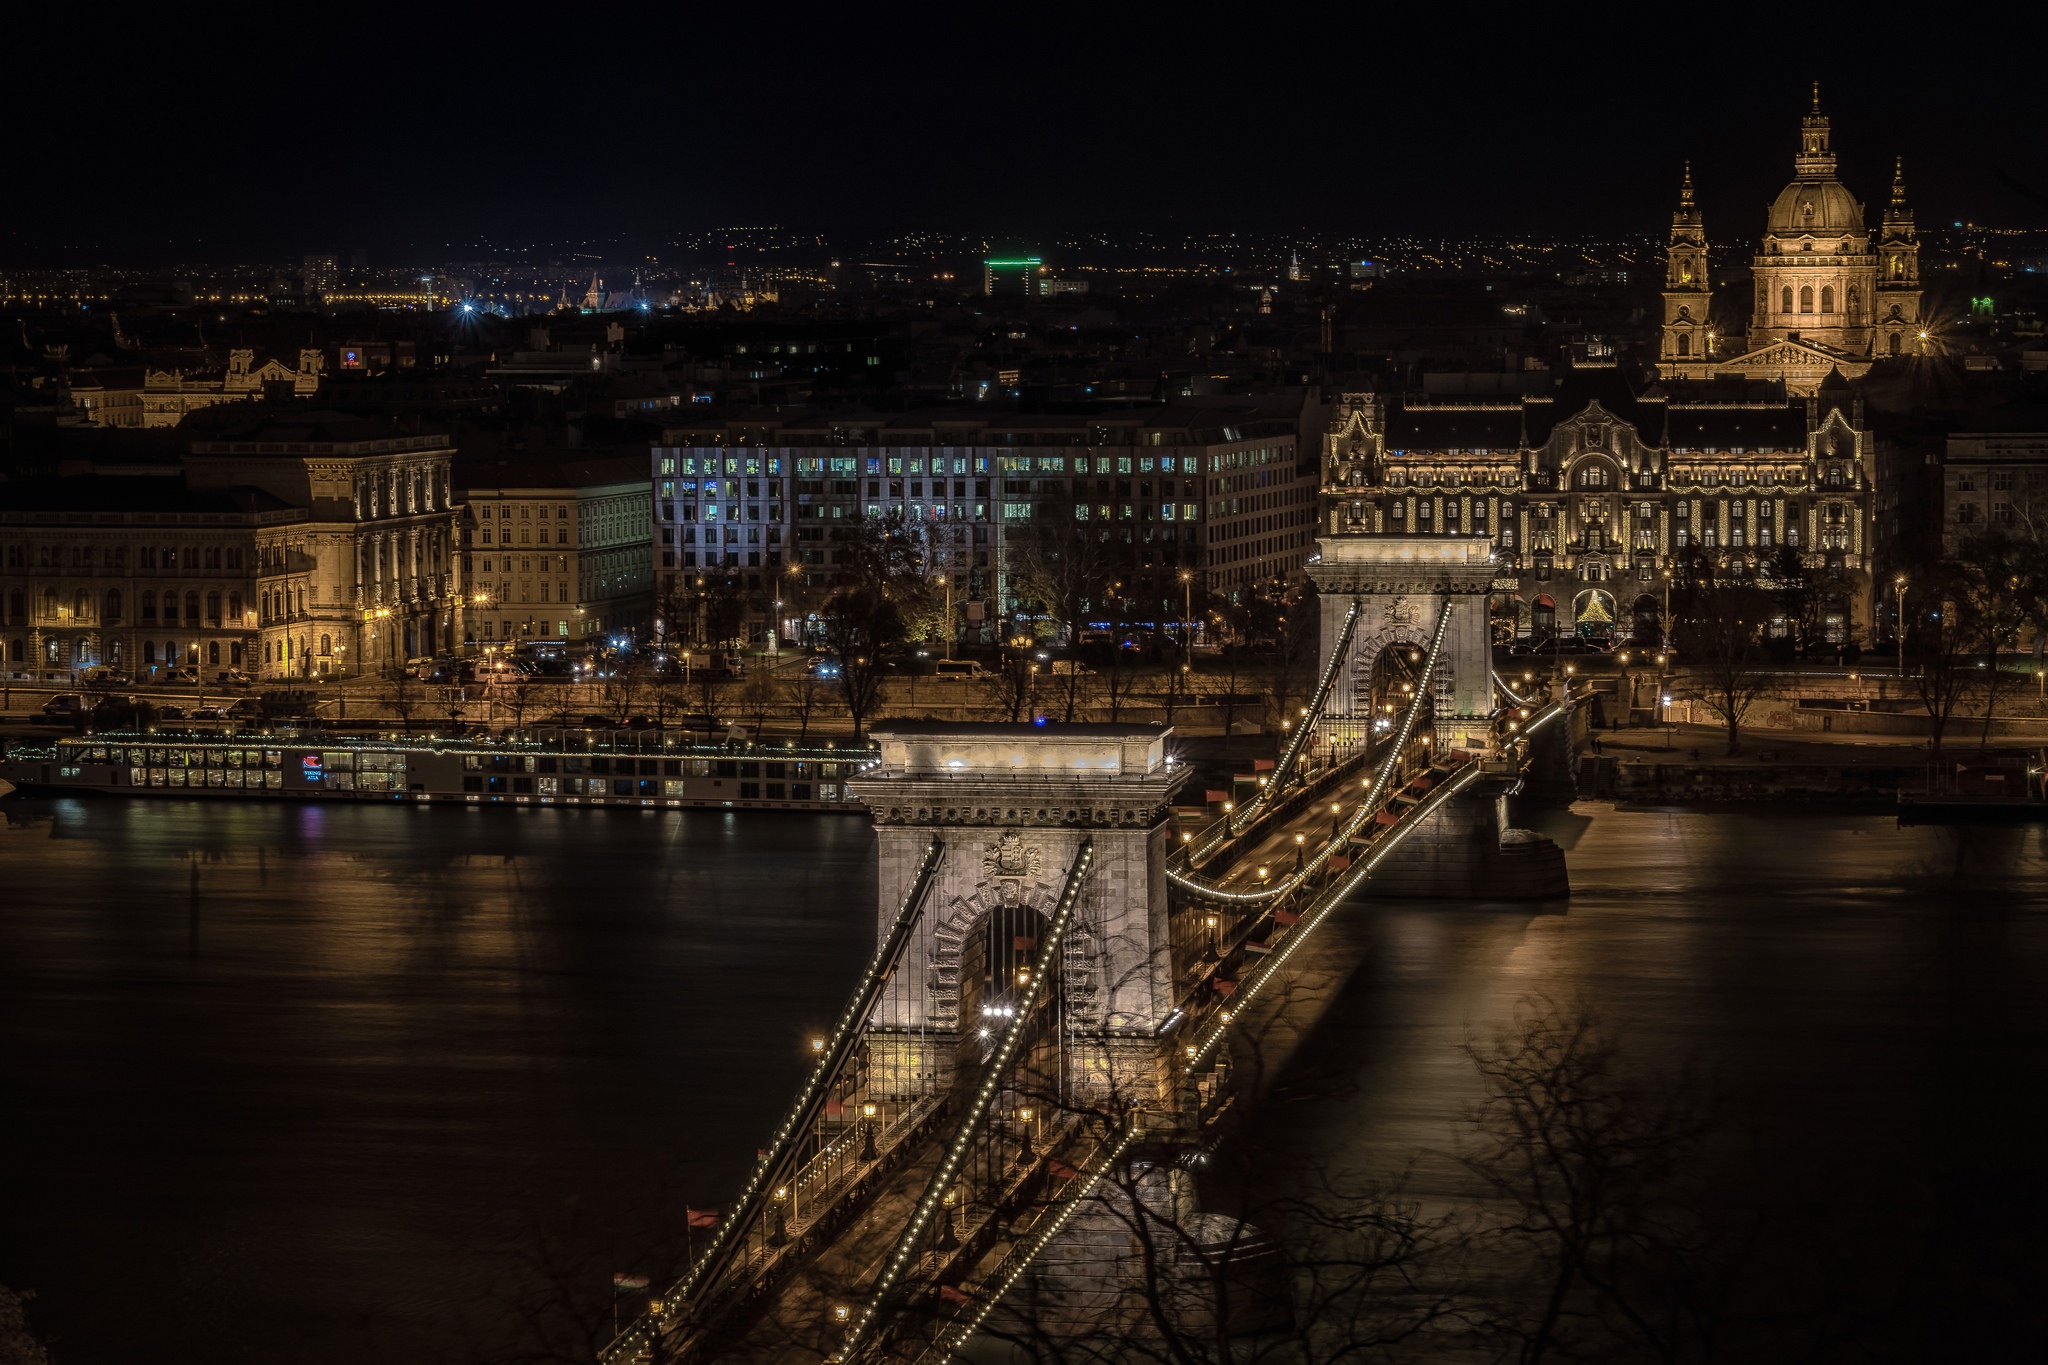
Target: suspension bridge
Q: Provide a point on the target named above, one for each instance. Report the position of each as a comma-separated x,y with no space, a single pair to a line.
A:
1060,965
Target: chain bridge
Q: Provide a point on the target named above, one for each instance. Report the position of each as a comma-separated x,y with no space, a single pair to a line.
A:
1060,966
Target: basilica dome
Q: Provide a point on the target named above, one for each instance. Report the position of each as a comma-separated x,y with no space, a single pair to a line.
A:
1821,207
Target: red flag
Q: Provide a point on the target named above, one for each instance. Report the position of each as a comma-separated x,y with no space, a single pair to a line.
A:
621,1282
1024,943
1386,817
1262,765
1060,1170
1224,987
1212,796
1340,861
1286,917
835,1109
760,1154
701,1218
954,1296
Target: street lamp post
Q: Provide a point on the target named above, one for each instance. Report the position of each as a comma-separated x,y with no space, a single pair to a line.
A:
1899,620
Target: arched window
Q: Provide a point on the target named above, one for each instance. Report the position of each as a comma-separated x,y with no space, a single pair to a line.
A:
213,651
81,604
1806,298
1895,343
17,605
15,650
170,606
1854,308
1788,300
112,611
1685,345
266,651
192,607
326,645
213,607
148,605
235,607
1827,298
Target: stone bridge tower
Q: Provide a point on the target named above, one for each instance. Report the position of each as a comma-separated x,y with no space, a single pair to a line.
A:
1012,804
1403,582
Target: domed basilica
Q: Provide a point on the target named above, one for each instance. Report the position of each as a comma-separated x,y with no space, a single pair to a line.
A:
1829,293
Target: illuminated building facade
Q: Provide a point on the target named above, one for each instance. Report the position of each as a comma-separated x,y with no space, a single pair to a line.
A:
1829,294
1591,493
556,552
168,395
372,577
137,574
1217,491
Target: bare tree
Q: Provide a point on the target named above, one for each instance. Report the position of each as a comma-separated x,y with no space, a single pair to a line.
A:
1939,635
619,690
519,696
1720,632
403,698
759,694
711,687
1062,565
1603,1245
802,694
1012,688
18,1346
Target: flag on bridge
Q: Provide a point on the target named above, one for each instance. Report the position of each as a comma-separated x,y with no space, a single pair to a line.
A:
701,1218
1224,987
835,1109
1212,796
1060,1170
622,1283
1262,765
1024,943
1340,862
953,1296
1286,917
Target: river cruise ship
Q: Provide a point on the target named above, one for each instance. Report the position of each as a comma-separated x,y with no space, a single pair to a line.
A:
329,768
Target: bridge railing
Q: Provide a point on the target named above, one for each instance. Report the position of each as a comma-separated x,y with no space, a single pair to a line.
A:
875,1320
1209,889
1242,818
1206,1018
784,1155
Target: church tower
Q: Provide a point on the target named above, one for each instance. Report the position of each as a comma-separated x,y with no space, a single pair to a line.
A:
1898,274
1815,274
1688,344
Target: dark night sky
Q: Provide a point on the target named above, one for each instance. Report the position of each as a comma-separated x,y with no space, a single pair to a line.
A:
248,133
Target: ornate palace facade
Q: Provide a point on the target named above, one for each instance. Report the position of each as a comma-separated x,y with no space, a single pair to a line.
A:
1829,293
1589,493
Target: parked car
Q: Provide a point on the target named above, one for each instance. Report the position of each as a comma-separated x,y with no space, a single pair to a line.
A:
824,666
64,704
956,668
231,677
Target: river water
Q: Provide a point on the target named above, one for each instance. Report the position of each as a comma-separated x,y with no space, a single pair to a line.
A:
298,1083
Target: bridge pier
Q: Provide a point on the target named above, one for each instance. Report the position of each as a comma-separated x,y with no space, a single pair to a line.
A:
1467,850
1013,805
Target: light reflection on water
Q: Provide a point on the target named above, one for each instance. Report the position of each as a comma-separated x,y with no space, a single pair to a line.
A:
278,1081
1872,1001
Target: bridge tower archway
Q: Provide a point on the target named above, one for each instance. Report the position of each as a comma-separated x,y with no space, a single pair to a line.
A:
1400,584
1013,805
